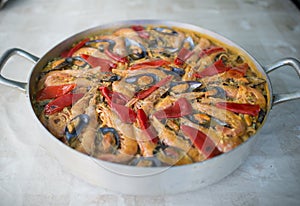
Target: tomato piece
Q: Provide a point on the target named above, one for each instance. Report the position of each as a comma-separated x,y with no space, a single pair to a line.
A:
153,63
61,102
215,68
145,93
182,56
51,92
69,53
145,125
106,65
201,141
179,108
251,109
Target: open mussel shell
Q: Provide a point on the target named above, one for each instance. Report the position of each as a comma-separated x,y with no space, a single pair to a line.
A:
100,141
184,86
219,92
144,79
66,64
100,43
188,43
165,30
112,78
75,126
178,71
214,91
135,50
173,156
206,120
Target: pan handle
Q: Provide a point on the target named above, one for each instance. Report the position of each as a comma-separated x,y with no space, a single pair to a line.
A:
295,64
5,57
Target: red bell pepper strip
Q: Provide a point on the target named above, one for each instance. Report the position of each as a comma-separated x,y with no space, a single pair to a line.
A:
179,108
182,56
146,126
51,92
242,69
145,93
106,65
69,53
117,103
153,63
114,97
201,141
115,56
216,68
61,102
211,50
252,109
126,114
141,31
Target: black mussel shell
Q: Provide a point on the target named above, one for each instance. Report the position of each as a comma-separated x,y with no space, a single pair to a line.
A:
75,126
134,79
111,42
104,130
112,78
178,71
190,42
190,85
135,50
165,30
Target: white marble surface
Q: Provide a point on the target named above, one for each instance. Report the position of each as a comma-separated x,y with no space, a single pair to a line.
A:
268,29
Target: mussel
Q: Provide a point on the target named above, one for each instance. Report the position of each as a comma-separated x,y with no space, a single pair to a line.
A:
156,46
75,126
220,93
71,60
112,78
173,156
165,30
206,120
199,119
145,162
111,43
216,92
145,79
188,43
178,71
184,86
106,142
135,50
261,116
215,121
66,64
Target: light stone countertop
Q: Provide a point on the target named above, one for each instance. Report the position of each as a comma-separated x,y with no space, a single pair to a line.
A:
268,29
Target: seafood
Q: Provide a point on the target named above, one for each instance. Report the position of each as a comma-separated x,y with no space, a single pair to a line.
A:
85,140
235,122
170,138
135,50
147,147
106,137
136,80
84,77
184,86
151,96
110,145
56,123
173,156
